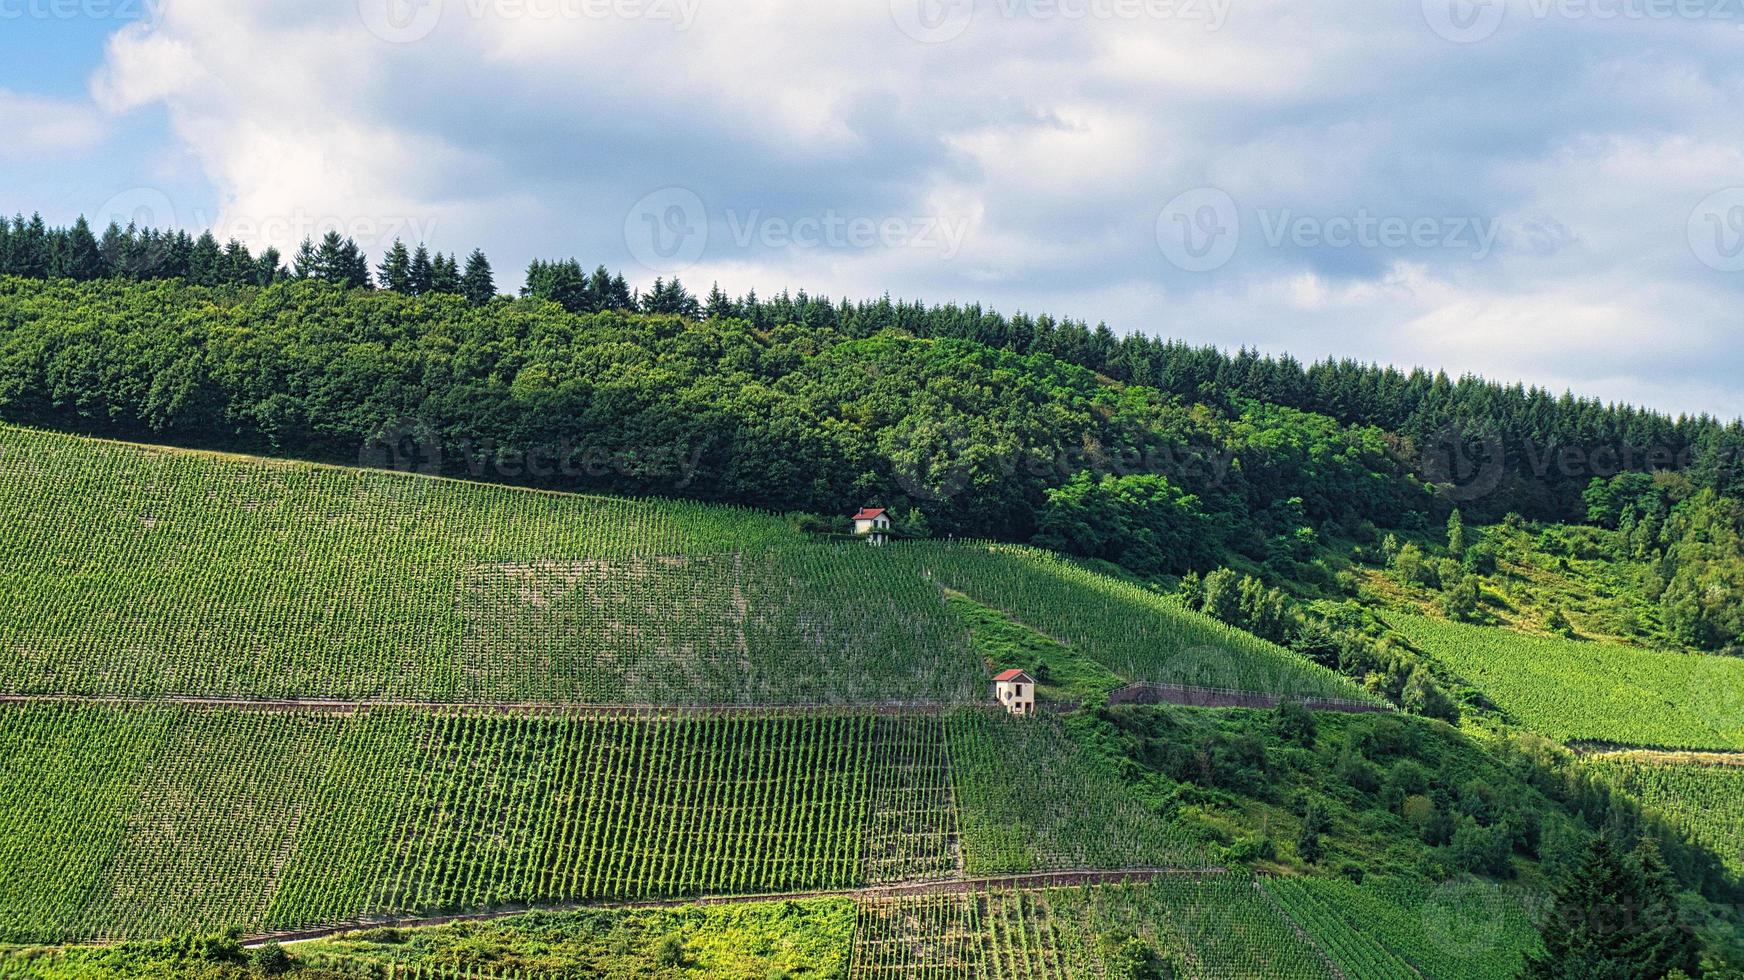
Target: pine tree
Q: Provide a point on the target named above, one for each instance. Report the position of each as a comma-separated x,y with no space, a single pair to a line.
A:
304,265
1612,920
444,274
396,269
1665,943
266,268
205,261
238,264
477,285
1455,534
719,306
112,247
421,273
84,258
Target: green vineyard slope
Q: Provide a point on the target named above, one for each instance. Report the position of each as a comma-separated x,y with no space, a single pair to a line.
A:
1603,692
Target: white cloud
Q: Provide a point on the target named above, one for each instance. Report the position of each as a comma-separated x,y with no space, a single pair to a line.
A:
37,126
1056,140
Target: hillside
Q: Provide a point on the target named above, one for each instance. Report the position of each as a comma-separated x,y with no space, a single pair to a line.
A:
256,694
140,571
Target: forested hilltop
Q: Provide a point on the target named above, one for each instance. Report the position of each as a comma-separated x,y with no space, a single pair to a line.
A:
1506,448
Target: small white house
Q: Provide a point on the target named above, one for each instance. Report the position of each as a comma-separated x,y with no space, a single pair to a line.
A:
1016,690
873,524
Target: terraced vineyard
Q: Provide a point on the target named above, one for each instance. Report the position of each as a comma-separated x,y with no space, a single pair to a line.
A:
1704,799
114,826
136,821
142,572
1356,953
1140,635
1388,927
1031,800
1211,926
1575,691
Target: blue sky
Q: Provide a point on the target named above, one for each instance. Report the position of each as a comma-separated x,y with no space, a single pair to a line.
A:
1540,190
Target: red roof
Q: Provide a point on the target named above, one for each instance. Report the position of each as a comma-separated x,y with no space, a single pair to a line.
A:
1012,675
869,513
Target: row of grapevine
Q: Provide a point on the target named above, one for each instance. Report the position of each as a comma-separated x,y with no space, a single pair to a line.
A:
996,935
1136,633
134,821
1460,930
1029,799
1606,692
496,810
1212,926
911,828
1705,800
1356,953
142,572
802,624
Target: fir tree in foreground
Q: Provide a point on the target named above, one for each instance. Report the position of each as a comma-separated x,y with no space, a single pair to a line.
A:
1616,918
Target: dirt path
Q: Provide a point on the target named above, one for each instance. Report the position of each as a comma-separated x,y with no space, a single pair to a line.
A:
1603,750
958,886
1211,697
334,706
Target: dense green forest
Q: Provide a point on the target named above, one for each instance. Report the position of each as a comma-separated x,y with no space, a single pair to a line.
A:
1497,447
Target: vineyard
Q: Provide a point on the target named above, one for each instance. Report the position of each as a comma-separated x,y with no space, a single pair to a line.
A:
1575,691
1391,928
1211,926
1031,800
1138,634
133,571
138,821
1705,801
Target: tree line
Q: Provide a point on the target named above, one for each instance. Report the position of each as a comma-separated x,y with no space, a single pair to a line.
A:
1533,452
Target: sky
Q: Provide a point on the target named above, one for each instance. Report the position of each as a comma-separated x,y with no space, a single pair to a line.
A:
1547,191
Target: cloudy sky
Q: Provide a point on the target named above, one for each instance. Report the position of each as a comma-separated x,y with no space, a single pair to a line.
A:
1540,190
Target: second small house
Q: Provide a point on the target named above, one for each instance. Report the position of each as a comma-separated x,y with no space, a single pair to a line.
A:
1016,690
873,524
